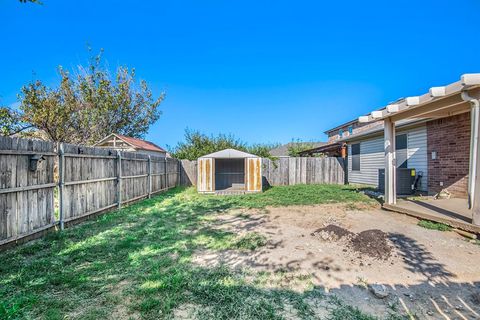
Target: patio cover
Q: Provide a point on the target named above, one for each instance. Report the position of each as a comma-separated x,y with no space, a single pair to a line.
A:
440,102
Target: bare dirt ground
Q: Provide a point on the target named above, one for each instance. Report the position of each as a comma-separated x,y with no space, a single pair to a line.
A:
425,274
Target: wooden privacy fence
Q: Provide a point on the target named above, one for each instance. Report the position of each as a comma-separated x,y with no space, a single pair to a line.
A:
26,195
285,171
90,180
291,171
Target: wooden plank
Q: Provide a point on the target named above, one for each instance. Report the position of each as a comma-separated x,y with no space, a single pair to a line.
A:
166,173
292,170
149,176
22,207
119,179
61,186
27,188
24,152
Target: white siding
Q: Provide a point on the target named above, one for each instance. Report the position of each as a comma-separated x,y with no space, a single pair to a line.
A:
372,157
417,153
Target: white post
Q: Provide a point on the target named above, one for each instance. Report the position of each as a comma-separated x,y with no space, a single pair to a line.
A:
476,197
474,123
474,177
390,165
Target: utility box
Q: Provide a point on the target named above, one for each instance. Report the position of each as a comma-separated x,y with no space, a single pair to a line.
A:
405,180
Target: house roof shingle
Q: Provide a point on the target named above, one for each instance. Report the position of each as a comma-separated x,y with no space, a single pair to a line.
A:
140,144
282,151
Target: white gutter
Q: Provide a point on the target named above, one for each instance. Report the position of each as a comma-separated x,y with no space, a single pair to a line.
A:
474,127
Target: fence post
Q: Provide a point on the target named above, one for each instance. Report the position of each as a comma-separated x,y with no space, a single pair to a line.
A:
179,173
119,179
166,173
149,176
61,183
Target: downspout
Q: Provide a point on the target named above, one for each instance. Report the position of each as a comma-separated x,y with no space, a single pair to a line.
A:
474,126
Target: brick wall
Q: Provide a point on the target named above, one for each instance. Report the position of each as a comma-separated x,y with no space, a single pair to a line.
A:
450,138
356,128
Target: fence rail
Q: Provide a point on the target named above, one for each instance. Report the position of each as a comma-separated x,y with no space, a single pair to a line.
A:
90,180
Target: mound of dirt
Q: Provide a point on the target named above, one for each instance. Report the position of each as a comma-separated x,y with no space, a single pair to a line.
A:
332,232
373,243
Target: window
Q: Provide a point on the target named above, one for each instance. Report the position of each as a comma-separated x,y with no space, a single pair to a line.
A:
340,133
356,157
401,150
350,129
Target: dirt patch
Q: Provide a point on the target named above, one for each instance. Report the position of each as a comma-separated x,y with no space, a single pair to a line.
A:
426,272
373,243
121,310
332,232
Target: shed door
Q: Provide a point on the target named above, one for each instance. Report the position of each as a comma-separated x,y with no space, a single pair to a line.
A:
254,174
205,175
229,174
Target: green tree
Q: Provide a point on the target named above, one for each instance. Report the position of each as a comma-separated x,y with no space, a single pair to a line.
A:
262,149
11,122
197,144
297,146
90,104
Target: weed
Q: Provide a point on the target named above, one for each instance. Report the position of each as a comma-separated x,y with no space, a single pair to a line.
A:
250,241
434,225
342,311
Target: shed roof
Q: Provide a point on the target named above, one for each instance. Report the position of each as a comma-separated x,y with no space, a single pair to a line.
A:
229,154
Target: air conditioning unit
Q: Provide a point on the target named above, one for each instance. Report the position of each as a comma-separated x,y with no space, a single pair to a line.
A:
405,180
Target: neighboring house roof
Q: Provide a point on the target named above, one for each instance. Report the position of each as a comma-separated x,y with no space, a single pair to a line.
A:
134,142
374,131
282,151
229,154
378,129
328,147
352,121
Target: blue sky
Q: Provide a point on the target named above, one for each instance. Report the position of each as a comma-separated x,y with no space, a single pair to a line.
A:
265,71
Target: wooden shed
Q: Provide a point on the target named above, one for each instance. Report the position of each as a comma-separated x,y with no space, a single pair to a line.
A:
229,171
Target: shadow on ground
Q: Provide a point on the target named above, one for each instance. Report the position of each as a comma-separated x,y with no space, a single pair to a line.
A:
137,262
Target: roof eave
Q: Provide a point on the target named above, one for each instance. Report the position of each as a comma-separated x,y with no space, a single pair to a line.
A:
467,82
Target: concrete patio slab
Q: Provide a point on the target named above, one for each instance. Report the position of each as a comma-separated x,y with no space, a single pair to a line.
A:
453,212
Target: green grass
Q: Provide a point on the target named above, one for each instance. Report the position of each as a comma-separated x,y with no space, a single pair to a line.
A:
434,225
342,311
138,262
250,241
